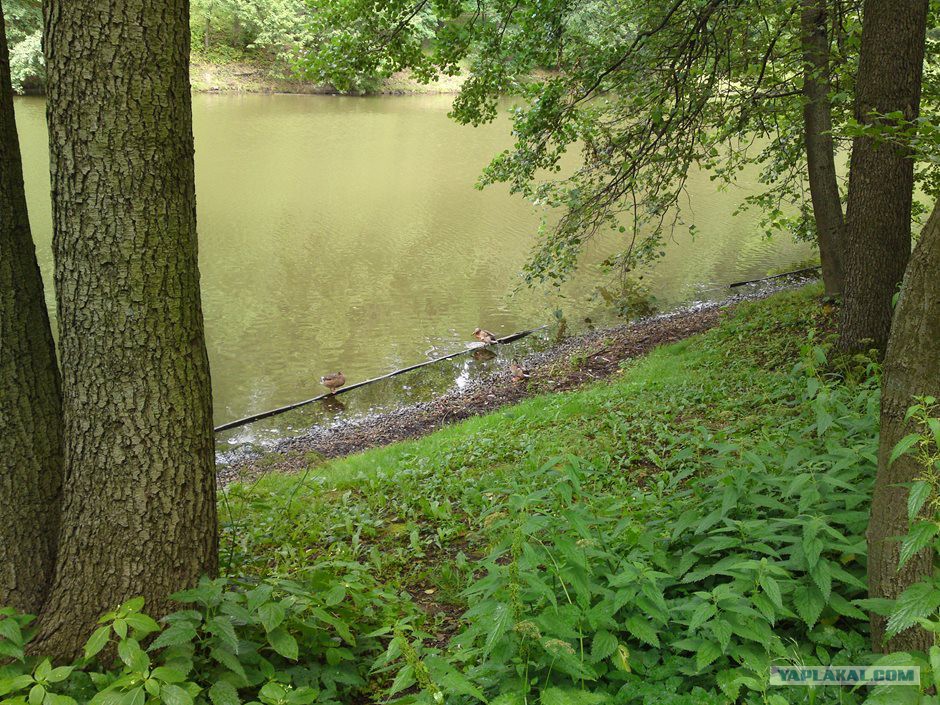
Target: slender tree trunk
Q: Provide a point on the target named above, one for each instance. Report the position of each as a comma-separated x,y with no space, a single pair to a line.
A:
820,151
881,177
138,513
912,368
30,401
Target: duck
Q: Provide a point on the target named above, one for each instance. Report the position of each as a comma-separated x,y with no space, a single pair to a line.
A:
519,373
484,336
333,381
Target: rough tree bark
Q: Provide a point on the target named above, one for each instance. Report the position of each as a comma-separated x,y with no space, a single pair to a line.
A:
820,151
30,401
911,368
881,174
138,510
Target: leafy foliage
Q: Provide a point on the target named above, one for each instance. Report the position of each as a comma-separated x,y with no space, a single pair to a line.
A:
643,91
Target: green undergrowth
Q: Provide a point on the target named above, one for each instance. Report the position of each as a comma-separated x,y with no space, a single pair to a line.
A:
662,538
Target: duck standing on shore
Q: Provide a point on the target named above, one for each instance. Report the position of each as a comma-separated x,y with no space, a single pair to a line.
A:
519,373
333,381
484,336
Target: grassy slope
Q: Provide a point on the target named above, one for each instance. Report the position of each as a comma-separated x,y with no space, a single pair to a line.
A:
438,486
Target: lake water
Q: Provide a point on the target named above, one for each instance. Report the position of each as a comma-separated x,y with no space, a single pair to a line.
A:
345,233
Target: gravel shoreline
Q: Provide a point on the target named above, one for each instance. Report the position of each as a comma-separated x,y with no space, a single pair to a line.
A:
573,363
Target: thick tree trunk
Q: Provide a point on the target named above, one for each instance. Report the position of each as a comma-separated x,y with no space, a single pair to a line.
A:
30,401
138,512
820,150
912,368
881,176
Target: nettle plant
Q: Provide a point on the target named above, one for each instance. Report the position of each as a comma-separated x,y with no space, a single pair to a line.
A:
733,557
275,642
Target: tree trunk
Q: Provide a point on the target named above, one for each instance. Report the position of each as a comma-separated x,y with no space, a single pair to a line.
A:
30,400
138,512
820,151
912,368
881,176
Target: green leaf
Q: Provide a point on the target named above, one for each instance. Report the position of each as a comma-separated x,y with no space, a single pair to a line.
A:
903,446
10,685
603,645
334,595
273,692
97,641
704,612
135,604
305,695
10,630
143,624
405,678
43,670
642,629
918,538
570,696
729,683
450,679
174,695
919,600
283,643
271,614
706,654
59,674
809,603
224,693
920,493
135,696
36,695
224,630
230,661
822,576
176,634
935,662
132,655
168,675
56,699
621,659
772,589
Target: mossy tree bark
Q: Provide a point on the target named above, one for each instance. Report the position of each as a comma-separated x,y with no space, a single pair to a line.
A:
138,509
30,400
912,368
820,150
881,174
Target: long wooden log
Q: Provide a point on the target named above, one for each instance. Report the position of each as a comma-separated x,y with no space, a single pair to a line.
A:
775,276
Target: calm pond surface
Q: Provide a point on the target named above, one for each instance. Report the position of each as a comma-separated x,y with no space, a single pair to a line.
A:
345,233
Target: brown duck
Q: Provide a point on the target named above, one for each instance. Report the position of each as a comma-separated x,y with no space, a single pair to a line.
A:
333,381
519,373
484,336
